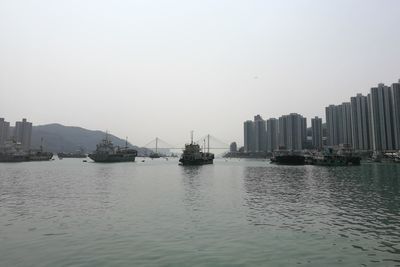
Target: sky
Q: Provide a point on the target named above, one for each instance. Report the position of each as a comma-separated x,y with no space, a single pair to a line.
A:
164,67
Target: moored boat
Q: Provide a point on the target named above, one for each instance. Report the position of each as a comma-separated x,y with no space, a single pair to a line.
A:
107,152
286,157
192,154
337,156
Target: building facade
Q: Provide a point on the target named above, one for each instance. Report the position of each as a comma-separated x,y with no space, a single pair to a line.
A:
338,123
316,133
292,134
23,133
361,123
382,118
260,132
4,131
249,137
272,135
396,112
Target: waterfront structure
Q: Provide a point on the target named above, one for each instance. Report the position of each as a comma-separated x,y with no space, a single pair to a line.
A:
316,132
4,131
292,134
23,133
361,122
272,135
382,118
249,137
260,134
338,122
396,112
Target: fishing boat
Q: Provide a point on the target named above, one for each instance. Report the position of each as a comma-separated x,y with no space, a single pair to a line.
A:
193,155
337,156
107,152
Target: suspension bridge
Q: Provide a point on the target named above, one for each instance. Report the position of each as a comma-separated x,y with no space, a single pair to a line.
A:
208,142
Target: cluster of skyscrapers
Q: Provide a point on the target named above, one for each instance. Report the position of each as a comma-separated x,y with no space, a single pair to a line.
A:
289,132
21,133
369,123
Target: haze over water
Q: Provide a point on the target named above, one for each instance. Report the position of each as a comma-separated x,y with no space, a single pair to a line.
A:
232,213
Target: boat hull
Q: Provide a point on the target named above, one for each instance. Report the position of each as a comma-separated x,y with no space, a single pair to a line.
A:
196,162
112,158
289,160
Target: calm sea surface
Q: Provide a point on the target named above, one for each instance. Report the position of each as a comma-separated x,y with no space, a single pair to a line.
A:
233,213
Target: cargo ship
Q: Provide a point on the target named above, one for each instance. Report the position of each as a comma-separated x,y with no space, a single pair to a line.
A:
107,152
288,157
192,154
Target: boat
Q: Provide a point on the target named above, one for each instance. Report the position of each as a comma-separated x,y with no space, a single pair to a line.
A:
107,152
77,154
288,157
192,154
337,156
13,152
40,155
155,155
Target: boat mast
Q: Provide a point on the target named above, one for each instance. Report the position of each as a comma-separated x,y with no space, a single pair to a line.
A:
41,144
156,145
191,137
126,142
204,145
208,141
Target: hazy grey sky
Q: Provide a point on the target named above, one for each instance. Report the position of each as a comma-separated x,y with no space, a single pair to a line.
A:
162,68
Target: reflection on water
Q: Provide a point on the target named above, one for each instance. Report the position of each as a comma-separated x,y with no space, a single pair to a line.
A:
359,203
231,213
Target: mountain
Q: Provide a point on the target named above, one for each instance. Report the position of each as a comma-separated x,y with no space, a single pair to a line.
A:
60,138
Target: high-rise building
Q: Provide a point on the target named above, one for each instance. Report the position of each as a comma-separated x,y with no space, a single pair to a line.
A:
291,131
316,129
260,132
249,137
4,131
338,123
332,125
382,118
345,133
361,123
233,147
304,132
396,112
23,133
272,135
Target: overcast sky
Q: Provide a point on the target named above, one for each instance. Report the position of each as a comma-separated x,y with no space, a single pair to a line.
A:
162,68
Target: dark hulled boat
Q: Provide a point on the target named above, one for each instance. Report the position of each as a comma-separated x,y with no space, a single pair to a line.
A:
286,157
107,152
192,155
